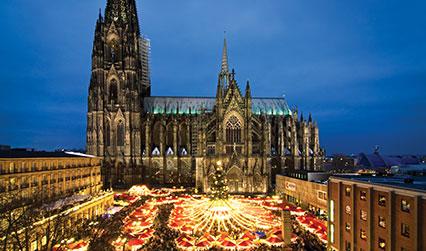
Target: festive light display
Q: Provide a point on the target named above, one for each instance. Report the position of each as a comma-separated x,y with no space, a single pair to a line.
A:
223,221
219,188
314,225
137,228
142,190
215,220
233,223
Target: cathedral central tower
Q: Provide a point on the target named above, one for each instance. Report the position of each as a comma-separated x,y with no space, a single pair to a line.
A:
119,81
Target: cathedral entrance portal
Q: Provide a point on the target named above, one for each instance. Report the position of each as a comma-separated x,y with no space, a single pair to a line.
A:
235,179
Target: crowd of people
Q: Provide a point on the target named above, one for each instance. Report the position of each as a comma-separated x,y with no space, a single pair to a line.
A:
305,240
164,237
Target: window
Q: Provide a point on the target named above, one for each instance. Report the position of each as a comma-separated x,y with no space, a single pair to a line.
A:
405,206
405,230
12,168
382,200
331,233
348,191
382,243
113,92
363,195
347,246
120,134
363,215
233,130
331,210
347,227
107,135
363,234
382,222
348,210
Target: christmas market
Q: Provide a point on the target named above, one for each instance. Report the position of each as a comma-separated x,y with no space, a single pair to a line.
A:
181,220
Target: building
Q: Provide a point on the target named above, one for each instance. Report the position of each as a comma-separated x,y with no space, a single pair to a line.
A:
380,162
377,213
181,140
49,174
71,219
309,194
342,162
312,176
4,148
415,170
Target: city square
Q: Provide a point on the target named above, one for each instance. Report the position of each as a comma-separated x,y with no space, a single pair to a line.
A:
172,219
212,125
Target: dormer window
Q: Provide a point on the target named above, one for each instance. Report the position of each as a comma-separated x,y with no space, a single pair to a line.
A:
156,152
169,151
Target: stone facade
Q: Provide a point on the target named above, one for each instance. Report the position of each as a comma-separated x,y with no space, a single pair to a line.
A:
181,140
49,174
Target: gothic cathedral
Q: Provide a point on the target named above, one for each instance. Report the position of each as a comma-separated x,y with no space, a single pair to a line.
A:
180,141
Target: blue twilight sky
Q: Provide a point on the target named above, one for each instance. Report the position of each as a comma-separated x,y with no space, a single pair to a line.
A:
358,66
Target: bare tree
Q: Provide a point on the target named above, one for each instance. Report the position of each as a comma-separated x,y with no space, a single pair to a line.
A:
102,231
22,218
17,216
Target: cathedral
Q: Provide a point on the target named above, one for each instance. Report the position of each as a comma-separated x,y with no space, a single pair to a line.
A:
181,141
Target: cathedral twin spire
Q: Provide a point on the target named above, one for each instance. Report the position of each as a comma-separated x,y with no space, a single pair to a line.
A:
227,78
124,13
225,67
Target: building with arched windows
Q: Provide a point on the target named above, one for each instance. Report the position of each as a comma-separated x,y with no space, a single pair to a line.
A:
177,141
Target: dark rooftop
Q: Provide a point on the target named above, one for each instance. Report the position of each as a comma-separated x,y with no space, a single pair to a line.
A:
40,154
403,181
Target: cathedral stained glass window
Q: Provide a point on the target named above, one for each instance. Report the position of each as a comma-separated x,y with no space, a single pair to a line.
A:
233,130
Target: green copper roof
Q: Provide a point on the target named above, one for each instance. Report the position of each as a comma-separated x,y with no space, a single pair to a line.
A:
270,106
196,105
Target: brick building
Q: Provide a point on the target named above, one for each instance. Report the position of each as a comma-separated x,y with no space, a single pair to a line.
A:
376,213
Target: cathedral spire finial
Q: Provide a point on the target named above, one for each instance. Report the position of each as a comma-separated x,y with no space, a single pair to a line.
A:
248,90
123,13
225,67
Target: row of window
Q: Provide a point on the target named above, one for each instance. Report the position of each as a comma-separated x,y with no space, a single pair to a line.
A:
405,205
381,244
405,229
13,168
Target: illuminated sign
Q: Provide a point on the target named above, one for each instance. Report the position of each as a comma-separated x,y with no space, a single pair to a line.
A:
290,186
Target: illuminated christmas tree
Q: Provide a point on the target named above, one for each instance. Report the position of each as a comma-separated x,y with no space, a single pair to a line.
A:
219,188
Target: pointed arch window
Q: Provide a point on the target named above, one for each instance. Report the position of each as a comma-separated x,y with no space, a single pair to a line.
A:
233,130
113,92
107,134
120,134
